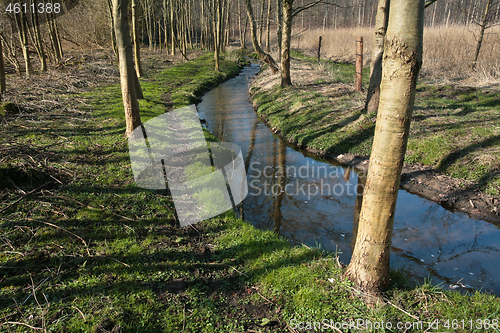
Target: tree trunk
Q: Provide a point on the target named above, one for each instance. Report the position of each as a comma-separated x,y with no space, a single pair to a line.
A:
268,28
261,21
126,65
484,22
137,46
279,25
57,38
3,86
373,96
37,40
217,32
369,266
165,24
172,26
23,38
112,26
262,55
285,44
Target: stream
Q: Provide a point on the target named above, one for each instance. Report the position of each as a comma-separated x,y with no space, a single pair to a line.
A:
317,202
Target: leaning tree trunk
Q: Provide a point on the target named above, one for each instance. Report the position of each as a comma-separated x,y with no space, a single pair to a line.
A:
285,43
126,65
373,96
482,26
262,55
137,46
369,266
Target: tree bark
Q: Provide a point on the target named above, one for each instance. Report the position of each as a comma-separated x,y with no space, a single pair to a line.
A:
285,43
381,20
128,76
137,45
369,266
262,55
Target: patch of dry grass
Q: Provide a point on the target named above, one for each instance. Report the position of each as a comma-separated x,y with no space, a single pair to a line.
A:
448,51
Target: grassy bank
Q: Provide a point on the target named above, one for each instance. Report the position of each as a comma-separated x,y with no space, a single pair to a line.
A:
455,129
84,250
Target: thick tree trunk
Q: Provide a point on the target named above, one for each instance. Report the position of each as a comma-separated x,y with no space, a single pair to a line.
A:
128,76
137,45
381,20
262,55
369,266
285,44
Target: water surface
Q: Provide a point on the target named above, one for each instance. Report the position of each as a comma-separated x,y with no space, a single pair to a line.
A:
317,202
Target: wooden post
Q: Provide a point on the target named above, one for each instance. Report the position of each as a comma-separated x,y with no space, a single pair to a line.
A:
319,49
359,64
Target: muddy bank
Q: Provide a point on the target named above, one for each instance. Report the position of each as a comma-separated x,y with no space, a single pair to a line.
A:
451,193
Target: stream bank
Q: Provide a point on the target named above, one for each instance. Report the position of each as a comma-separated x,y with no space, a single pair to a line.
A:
323,115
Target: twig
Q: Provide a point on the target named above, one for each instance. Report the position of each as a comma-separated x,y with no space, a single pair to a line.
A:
289,328
69,232
26,195
81,313
397,307
238,271
18,323
265,298
118,261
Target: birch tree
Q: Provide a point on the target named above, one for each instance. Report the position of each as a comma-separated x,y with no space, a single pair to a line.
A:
369,266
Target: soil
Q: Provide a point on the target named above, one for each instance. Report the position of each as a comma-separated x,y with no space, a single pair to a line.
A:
451,193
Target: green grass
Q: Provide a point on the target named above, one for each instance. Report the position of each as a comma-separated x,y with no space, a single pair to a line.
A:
454,129
98,254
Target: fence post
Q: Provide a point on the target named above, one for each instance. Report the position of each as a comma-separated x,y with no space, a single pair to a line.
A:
359,64
319,48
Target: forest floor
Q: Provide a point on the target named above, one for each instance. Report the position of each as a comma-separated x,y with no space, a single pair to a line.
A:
453,155
85,250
